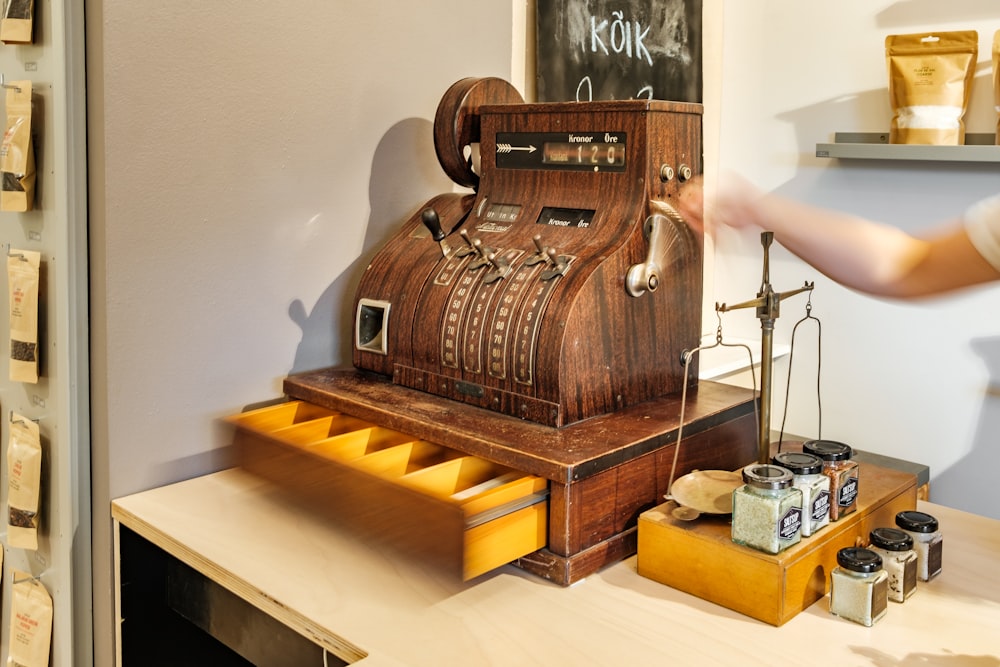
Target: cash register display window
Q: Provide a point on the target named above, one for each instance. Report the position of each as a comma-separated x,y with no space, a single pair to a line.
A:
566,217
590,154
599,151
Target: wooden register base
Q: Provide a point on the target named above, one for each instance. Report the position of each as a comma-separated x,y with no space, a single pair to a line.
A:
603,472
699,557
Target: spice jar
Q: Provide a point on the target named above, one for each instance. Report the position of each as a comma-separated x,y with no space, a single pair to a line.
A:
842,472
859,586
927,541
808,477
767,509
899,560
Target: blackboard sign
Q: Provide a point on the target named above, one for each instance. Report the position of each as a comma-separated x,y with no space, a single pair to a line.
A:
619,49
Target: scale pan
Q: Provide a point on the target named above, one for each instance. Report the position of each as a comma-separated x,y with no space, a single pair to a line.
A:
707,491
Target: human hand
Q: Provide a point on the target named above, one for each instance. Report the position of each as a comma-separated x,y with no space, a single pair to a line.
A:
732,203
691,203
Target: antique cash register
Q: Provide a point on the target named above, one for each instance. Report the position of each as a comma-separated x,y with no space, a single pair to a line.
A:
518,346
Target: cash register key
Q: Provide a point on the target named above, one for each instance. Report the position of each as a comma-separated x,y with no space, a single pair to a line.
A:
433,223
482,249
539,256
482,252
501,267
552,257
468,248
557,263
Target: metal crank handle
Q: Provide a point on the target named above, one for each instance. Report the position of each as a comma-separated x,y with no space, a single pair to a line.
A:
646,276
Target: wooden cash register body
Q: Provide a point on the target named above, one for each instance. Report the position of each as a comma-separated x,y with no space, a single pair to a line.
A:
523,344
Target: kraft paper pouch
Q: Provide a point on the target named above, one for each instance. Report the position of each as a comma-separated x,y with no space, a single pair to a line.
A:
930,79
17,155
18,19
996,80
24,481
30,623
23,278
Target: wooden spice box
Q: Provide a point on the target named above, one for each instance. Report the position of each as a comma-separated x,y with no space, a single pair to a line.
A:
699,557
461,511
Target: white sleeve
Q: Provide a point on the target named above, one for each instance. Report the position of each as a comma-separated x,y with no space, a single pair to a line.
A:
982,224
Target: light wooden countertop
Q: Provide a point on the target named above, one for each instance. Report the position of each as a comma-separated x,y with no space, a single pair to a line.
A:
363,603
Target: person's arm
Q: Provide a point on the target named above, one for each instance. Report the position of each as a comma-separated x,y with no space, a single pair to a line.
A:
860,254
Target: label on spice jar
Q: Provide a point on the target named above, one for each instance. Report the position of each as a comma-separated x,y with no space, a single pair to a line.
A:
910,577
820,506
790,524
880,598
848,492
934,552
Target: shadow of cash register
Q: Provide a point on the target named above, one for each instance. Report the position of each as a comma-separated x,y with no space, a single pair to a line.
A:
517,377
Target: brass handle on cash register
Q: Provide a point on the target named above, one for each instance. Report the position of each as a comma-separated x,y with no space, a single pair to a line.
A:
646,276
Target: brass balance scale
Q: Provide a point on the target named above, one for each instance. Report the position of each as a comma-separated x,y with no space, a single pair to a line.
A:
686,542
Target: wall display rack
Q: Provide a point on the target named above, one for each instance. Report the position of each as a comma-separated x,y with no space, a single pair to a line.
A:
58,402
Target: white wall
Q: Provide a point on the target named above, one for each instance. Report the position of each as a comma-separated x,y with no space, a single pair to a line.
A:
910,380
245,160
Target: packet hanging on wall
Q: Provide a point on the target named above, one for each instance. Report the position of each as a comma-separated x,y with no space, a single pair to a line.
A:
17,154
24,482
17,22
930,79
30,622
996,80
23,277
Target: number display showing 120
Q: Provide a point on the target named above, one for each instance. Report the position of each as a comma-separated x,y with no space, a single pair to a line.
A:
596,154
561,151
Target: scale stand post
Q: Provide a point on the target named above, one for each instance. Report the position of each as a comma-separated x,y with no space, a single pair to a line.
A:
768,305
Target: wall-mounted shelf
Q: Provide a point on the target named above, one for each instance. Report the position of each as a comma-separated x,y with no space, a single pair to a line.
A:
979,147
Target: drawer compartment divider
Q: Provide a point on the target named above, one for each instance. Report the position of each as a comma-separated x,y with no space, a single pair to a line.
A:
463,512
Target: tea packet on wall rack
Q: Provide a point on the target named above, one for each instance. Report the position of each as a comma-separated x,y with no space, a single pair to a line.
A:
24,482
930,80
17,21
30,622
17,154
23,278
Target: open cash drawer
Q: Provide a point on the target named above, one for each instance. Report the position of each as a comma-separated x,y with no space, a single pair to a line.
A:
467,513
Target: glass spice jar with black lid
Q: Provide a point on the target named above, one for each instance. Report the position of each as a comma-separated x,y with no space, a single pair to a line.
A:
842,472
859,588
808,477
899,560
927,541
767,509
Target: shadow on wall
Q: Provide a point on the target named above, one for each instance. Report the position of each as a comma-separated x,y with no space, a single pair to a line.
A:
978,467
864,111
405,173
927,12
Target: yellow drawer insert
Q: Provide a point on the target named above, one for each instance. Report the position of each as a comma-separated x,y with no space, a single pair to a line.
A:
467,513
